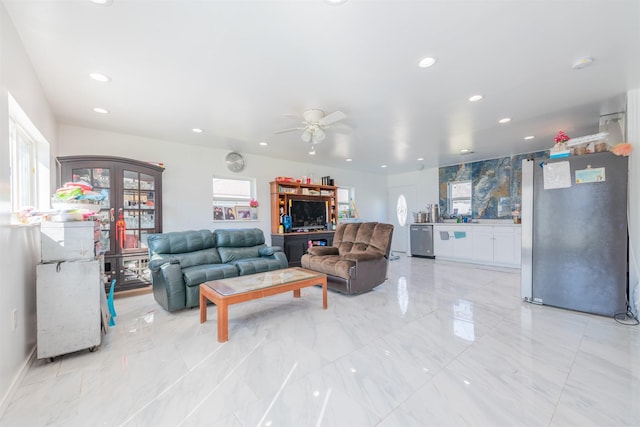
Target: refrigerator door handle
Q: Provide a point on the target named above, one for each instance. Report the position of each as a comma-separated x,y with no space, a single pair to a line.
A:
526,269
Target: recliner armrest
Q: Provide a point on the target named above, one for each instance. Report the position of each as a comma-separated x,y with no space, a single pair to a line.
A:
269,250
323,250
156,264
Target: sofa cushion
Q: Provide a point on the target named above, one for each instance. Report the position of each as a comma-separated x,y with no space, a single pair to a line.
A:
363,236
257,265
238,238
180,241
229,255
197,274
380,241
267,251
333,265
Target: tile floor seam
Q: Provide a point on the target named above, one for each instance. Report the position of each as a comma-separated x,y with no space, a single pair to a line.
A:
566,379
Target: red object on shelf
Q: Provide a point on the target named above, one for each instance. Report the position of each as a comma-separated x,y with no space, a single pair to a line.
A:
121,229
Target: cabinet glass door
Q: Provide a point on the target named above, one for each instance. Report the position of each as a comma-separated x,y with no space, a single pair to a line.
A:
100,180
135,269
138,208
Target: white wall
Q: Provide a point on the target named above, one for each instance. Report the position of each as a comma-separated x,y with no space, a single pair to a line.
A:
19,245
425,182
420,189
187,185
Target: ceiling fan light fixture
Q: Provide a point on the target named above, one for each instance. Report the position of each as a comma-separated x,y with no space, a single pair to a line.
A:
319,135
306,135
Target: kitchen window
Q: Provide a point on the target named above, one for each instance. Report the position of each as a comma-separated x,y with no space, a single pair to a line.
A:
345,198
460,198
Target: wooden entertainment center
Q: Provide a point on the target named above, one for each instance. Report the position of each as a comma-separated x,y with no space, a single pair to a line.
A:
295,243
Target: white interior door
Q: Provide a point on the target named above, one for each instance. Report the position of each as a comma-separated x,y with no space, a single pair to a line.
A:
401,204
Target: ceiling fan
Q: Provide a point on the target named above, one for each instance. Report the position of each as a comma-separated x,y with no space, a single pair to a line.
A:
315,122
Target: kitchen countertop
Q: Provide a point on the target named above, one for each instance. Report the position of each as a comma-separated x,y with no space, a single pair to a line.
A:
486,222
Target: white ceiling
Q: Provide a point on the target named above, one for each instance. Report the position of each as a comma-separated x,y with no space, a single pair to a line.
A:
241,70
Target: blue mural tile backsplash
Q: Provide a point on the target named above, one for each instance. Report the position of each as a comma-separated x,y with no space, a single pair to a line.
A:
496,185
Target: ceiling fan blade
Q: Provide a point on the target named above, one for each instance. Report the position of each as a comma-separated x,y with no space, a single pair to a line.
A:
332,118
288,130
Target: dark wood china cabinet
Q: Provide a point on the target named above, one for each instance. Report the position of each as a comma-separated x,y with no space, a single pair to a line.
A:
130,212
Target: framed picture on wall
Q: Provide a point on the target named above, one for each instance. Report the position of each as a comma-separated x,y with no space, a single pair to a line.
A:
243,212
218,213
229,213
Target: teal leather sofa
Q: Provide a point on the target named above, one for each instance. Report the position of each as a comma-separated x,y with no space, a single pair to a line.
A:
180,261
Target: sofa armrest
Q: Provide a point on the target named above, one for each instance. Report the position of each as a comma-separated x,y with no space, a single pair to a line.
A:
268,251
323,250
156,264
361,256
168,286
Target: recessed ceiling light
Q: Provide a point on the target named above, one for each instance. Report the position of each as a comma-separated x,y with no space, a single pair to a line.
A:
475,98
420,159
102,2
529,137
349,160
101,110
197,130
582,63
465,151
504,120
427,62
263,143
99,77
336,2
383,166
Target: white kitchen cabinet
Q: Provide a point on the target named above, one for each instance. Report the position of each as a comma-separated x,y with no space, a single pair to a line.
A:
487,244
442,244
495,245
483,244
462,241
503,245
453,241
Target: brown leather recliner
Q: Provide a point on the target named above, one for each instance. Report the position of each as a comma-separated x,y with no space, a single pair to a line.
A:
357,261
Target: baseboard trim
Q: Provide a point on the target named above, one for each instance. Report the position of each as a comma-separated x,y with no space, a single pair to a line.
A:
6,399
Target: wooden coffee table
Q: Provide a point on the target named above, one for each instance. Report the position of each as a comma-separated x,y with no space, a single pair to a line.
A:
253,286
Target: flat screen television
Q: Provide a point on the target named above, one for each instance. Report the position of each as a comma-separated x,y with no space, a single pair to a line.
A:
308,214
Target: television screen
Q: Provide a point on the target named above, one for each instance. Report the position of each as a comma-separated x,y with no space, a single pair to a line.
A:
308,214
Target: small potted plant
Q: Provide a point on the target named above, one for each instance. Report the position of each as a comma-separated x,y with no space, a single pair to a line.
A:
253,204
560,140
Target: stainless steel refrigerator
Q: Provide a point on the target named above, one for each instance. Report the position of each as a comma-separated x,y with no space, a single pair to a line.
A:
574,233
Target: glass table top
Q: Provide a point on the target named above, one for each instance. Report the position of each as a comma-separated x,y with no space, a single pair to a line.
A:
252,282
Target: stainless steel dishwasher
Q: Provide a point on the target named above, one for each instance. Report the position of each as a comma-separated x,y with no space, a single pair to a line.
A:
421,236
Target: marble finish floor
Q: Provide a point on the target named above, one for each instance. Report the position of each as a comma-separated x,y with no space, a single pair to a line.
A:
438,344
